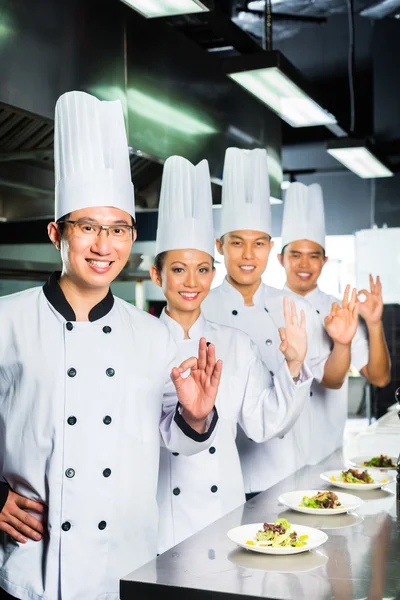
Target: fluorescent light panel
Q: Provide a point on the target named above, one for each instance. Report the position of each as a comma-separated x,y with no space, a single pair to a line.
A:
361,161
166,8
283,96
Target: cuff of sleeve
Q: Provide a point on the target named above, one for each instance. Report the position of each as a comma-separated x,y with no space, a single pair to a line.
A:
306,375
4,489
192,433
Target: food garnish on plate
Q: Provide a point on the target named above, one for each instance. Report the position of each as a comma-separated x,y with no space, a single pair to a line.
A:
382,461
324,499
278,535
356,476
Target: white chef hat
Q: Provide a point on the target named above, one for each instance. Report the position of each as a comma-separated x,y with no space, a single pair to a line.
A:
91,155
185,210
245,192
303,214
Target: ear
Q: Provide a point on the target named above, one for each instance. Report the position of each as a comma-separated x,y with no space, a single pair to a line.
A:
134,236
280,259
155,276
325,260
219,245
54,234
214,273
271,244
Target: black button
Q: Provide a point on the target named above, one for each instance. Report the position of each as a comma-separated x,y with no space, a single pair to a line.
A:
211,450
70,473
107,329
235,312
71,372
176,491
110,372
268,342
107,472
311,393
107,420
271,373
69,326
175,454
66,526
102,525
71,420
266,309
318,312
214,489
208,343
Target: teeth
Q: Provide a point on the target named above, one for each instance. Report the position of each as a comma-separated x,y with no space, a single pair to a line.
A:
304,274
189,294
247,268
99,263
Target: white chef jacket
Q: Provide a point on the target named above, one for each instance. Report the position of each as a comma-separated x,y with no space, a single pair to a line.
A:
330,406
197,490
265,464
80,419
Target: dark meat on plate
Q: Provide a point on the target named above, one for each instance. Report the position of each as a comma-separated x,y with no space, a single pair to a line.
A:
278,528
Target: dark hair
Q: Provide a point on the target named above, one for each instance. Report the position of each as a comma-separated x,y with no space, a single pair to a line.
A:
160,260
222,237
61,224
284,248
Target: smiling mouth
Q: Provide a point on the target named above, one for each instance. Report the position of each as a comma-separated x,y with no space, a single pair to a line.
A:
304,275
247,268
99,266
189,295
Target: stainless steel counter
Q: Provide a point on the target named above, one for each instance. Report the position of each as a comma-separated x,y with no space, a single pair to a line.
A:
360,560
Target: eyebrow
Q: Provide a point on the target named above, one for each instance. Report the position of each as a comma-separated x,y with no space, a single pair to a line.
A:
262,237
305,252
179,262
117,222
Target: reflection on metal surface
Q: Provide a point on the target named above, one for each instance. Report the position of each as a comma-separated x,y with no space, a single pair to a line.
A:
298,563
322,522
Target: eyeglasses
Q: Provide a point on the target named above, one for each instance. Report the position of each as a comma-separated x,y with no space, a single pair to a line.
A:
89,230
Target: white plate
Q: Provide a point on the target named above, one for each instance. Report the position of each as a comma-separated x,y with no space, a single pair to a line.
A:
240,535
324,521
357,461
294,501
308,561
380,479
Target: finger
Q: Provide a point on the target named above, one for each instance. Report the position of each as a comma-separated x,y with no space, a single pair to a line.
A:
28,520
335,309
294,313
28,504
378,286
346,296
211,360
202,361
283,347
353,300
189,363
24,529
286,310
303,319
216,374
282,333
365,293
16,535
371,283
356,310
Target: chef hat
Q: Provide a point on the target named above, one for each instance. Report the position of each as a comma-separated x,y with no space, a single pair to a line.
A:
91,155
303,214
185,210
245,192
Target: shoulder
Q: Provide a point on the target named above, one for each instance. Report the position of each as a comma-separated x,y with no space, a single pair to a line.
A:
140,318
14,303
230,336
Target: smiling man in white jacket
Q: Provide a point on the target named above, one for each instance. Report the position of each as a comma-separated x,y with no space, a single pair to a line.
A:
82,378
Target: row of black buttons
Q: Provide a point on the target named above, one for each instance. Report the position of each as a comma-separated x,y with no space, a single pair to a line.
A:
109,372
176,491
70,473
66,526
72,420
106,328
211,450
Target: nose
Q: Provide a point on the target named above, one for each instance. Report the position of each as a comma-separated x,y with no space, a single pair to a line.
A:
304,261
190,279
102,243
248,251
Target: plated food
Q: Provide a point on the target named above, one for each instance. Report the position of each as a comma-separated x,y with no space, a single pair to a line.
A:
279,537
356,479
314,502
375,462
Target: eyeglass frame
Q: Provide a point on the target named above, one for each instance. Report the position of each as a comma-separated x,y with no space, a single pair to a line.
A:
102,227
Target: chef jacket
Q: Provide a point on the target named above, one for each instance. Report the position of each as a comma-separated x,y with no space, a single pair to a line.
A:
267,463
330,406
81,413
197,490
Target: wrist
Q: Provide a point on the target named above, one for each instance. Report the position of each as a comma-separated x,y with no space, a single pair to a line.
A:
376,326
198,425
294,367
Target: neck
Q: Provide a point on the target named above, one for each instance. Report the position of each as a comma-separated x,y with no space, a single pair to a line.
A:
300,292
185,319
82,300
247,291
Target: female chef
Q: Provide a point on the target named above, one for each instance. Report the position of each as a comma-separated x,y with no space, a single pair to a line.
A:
82,377
195,491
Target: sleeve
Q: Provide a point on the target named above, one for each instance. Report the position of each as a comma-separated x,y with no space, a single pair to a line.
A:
270,408
176,434
4,489
319,345
360,347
